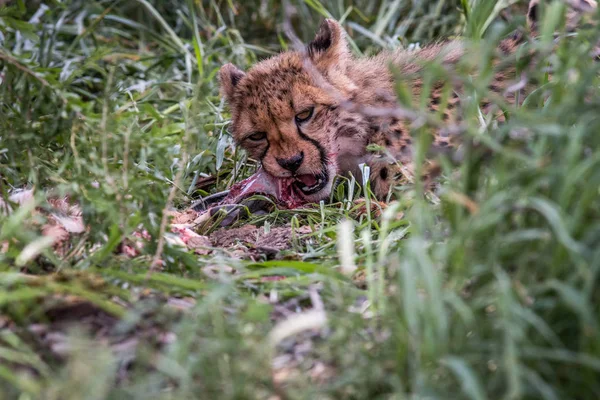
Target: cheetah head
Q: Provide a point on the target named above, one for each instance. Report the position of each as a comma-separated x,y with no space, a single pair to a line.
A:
284,111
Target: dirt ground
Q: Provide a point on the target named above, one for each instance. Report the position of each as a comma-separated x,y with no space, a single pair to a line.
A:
58,314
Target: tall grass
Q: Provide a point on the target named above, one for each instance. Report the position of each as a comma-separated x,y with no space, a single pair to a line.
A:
484,289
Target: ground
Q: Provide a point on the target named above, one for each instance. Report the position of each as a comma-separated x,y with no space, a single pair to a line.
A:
485,287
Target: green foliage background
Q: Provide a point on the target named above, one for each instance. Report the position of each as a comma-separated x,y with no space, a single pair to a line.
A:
487,289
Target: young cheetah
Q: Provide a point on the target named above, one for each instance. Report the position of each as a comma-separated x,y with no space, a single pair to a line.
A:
310,115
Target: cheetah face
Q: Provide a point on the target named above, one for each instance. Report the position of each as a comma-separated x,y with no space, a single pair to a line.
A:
284,111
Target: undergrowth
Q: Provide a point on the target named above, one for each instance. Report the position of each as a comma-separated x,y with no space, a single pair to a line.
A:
485,288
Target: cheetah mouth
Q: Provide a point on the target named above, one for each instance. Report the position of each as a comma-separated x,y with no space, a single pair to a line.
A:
309,184
289,193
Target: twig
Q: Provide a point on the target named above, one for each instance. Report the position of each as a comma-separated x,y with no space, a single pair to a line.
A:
74,146
103,132
15,63
156,261
126,158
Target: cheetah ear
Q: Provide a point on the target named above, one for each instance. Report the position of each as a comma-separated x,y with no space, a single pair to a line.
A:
229,77
329,45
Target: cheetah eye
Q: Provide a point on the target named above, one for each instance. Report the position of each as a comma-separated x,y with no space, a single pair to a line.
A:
304,115
257,137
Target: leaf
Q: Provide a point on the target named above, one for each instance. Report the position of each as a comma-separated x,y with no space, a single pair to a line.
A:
551,213
576,300
301,266
25,28
34,249
467,378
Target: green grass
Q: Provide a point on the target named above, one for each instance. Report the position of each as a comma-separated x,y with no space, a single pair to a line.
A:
486,289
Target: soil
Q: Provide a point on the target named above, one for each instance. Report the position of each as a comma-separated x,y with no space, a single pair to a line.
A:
257,240
49,331
64,221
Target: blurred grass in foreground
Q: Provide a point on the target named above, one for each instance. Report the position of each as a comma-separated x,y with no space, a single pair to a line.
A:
489,290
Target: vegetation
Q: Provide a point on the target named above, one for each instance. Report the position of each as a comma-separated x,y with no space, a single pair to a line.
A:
485,288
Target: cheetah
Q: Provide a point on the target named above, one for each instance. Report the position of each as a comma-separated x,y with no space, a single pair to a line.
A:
310,115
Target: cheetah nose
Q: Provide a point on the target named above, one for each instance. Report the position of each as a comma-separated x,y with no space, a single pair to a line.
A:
293,163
